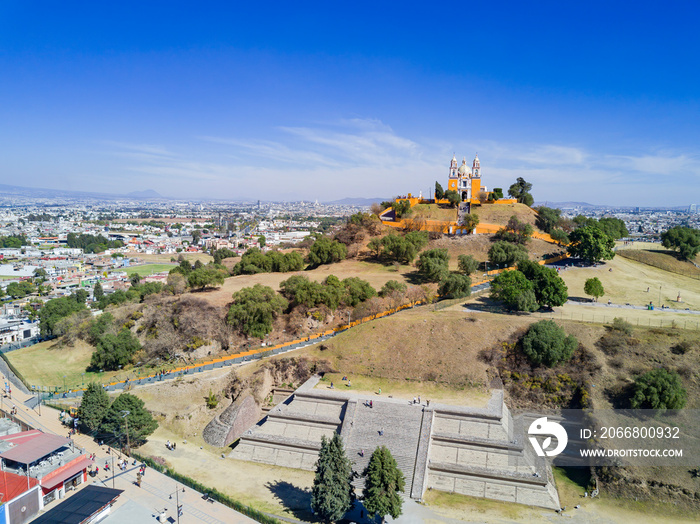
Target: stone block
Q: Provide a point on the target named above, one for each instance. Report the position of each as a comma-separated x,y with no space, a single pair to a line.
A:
289,459
440,453
265,454
441,482
297,431
473,488
500,492
471,457
472,428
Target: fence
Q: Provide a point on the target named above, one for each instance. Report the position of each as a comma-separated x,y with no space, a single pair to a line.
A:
608,318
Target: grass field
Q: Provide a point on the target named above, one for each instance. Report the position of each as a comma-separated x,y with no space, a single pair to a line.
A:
433,212
166,258
44,364
148,269
628,283
662,259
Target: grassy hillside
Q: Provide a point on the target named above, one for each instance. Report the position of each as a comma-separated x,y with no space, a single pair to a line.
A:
433,212
500,213
662,259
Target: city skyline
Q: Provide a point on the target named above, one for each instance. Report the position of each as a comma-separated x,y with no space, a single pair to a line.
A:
594,103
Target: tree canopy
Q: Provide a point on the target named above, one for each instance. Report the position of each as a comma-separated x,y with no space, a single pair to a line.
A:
550,289
470,220
467,264
254,308
685,240
506,254
453,197
114,351
383,483
591,244
594,288
515,291
515,231
455,286
439,191
659,389
546,343
547,218
331,494
56,309
520,190
93,407
205,276
433,265
140,422
326,251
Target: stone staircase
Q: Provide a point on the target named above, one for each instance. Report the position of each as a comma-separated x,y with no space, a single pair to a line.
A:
401,425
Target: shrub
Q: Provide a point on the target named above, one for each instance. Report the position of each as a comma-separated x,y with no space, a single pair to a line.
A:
658,389
507,254
621,325
515,291
455,286
546,343
467,264
433,265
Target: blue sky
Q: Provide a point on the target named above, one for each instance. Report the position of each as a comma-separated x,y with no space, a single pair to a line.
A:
322,100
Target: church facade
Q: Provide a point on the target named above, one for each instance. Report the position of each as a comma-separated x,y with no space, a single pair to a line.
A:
466,180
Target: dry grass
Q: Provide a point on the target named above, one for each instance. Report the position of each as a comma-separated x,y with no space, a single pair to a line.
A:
662,259
501,213
46,363
167,258
433,212
628,282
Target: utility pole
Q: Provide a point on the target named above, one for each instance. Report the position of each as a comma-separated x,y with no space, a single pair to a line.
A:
126,422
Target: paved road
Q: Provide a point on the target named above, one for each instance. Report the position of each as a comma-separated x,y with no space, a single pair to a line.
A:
153,495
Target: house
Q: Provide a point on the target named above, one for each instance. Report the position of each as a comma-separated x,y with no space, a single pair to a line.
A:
56,464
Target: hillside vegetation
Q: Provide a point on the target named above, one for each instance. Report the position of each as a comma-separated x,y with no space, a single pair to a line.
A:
662,259
500,213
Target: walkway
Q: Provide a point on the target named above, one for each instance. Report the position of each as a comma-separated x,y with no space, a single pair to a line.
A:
154,493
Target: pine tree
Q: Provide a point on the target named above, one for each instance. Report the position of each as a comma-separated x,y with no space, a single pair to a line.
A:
331,493
93,407
383,482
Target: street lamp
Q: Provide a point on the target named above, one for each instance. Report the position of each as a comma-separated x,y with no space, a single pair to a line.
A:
83,374
126,422
178,508
64,383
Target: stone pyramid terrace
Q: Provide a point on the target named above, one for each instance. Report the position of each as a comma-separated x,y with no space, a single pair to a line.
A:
471,451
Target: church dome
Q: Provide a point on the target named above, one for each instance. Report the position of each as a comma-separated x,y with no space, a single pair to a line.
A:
463,169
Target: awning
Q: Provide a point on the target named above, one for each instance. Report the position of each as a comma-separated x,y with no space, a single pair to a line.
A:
70,471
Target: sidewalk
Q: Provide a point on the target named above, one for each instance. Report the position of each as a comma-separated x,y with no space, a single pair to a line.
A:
135,505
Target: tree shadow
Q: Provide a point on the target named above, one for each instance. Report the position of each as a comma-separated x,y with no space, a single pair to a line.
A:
294,499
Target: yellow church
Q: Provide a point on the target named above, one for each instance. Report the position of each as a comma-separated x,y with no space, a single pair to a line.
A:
465,180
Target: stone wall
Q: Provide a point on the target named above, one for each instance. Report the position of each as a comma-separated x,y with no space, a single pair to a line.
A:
235,420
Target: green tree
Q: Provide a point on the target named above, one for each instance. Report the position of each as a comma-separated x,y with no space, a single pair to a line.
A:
453,197
433,265
591,244
399,249
357,290
547,218
392,286
520,190
594,287
327,251
515,291
559,235
114,351
56,309
376,246
515,231
659,389
550,289
97,292
455,286
401,208
93,407
467,264
135,279
20,289
205,276
497,193
254,308
439,192
548,344
506,254
685,240
331,494
615,228
383,483
470,221
262,241
140,422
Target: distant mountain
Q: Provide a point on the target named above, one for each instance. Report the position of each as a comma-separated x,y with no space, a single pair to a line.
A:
349,201
148,193
40,192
